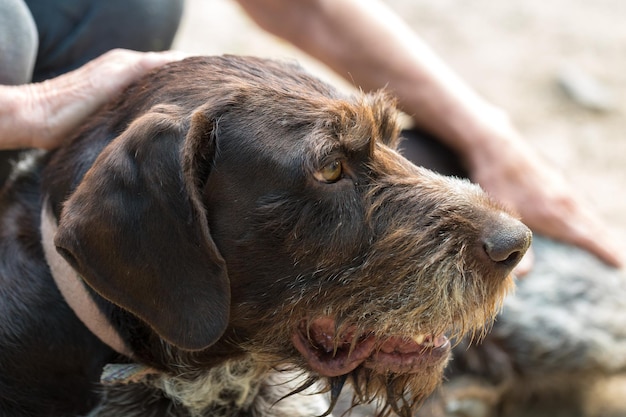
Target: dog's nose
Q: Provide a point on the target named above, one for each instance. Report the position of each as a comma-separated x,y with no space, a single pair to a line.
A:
506,240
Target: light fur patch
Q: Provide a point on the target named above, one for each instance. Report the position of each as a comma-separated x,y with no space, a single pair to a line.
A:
232,385
244,385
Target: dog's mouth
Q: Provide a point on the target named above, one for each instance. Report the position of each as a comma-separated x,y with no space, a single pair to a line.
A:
331,354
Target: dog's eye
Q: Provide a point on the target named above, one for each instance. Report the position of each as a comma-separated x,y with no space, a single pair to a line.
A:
331,172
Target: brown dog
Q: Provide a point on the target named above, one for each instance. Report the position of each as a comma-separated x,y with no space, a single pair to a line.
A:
231,218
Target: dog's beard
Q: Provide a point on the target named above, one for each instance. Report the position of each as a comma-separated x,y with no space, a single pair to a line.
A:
390,393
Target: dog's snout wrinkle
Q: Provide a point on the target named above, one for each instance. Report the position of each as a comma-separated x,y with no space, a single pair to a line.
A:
506,241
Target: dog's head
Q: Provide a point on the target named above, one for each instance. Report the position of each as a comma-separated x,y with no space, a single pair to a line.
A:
243,205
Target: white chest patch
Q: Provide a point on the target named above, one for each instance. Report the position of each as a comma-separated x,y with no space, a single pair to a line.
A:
244,385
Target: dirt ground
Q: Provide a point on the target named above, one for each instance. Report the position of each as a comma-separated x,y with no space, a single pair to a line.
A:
513,53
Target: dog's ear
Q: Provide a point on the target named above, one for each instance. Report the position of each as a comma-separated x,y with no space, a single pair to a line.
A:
136,229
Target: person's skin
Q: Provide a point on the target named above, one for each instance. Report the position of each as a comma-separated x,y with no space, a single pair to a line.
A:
41,115
369,45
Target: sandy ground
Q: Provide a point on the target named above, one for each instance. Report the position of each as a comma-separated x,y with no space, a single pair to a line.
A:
512,52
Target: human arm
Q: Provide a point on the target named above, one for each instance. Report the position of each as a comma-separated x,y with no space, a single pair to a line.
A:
42,114
365,42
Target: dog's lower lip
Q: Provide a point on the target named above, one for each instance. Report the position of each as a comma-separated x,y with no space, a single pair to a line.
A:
407,357
328,362
396,354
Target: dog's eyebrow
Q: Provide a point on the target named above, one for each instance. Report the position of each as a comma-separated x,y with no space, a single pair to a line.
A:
358,142
363,123
336,138
352,127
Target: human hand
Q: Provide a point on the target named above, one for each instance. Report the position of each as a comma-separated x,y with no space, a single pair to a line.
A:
513,174
41,115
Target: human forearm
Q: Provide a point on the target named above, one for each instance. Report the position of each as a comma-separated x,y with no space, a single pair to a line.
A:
39,115
369,45
42,114
11,125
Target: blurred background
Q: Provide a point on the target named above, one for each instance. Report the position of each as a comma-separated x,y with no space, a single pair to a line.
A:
558,67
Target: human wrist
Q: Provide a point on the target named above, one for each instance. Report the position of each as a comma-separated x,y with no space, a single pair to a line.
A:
34,115
16,117
460,118
45,111
491,135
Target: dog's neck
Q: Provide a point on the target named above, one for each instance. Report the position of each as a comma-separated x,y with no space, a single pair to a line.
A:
73,289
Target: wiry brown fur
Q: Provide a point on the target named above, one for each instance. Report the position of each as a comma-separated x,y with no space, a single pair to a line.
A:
192,207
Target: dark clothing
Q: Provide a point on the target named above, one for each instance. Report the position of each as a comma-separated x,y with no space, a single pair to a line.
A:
40,39
72,32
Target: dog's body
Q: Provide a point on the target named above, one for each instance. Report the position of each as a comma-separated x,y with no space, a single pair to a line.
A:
198,140
244,231
178,147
